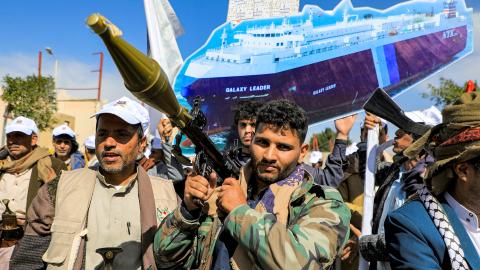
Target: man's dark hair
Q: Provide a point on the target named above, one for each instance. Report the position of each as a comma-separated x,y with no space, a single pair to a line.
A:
245,110
285,114
140,133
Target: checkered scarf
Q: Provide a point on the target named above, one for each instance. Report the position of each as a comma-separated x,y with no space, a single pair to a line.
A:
441,221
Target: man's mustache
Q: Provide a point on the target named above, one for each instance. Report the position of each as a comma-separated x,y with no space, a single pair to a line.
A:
267,163
13,145
110,152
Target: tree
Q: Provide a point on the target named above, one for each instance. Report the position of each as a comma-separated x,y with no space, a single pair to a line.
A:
31,97
325,139
447,93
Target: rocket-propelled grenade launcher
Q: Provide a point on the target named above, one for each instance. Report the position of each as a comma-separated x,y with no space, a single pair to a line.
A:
382,105
145,79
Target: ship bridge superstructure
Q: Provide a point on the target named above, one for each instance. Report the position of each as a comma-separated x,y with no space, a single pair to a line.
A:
275,46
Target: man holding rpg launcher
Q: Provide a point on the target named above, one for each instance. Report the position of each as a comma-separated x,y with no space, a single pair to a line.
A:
273,217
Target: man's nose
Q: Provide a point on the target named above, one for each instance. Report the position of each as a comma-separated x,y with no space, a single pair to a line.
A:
110,142
270,154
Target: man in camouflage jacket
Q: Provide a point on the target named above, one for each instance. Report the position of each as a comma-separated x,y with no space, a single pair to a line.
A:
273,217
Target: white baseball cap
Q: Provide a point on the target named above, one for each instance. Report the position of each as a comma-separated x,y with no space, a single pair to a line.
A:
431,116
129,111
22,124
315,157
63,129
157,143
90,142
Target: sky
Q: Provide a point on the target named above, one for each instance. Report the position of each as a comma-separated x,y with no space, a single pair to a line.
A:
27,26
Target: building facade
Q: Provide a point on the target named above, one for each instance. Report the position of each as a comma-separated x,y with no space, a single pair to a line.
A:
77,113
239,10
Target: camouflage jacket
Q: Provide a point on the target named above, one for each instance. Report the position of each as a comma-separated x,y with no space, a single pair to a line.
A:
318,227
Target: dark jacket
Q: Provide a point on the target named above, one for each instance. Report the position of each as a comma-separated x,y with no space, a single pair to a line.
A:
332,174
413,241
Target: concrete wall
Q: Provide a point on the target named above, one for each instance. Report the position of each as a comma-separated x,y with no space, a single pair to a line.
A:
77,113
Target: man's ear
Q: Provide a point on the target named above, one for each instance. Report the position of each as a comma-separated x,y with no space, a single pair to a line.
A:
303,152
34,139
461,170
143,144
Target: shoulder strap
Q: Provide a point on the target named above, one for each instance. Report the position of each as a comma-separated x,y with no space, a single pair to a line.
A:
33,186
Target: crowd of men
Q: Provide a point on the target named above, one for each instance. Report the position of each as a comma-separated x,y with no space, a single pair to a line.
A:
290,208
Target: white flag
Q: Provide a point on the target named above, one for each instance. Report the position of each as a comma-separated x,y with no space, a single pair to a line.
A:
163,27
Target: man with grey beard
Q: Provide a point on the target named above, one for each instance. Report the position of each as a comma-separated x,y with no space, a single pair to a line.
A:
84,210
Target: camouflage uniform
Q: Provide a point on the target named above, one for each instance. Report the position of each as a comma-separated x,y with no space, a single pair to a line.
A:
318,227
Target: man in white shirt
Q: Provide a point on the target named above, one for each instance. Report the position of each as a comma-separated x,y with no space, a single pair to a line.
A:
398,182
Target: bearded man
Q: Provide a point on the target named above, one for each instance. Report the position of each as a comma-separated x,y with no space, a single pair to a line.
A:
273,217
117,206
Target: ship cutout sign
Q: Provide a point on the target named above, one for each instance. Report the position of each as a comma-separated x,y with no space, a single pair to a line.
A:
328,62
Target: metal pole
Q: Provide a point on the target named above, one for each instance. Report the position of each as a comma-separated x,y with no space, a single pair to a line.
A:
55,65
369,191
39,65
4,136
6,115
100,74
55,73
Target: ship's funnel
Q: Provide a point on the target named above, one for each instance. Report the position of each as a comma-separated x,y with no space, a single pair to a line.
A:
141,74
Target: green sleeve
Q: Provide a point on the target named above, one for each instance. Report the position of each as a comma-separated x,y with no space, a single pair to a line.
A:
176,241
317,233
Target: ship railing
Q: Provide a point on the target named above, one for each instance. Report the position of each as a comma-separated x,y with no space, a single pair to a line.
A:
215,50
313,48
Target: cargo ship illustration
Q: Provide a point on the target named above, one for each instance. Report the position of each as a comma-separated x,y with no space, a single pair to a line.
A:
327,69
